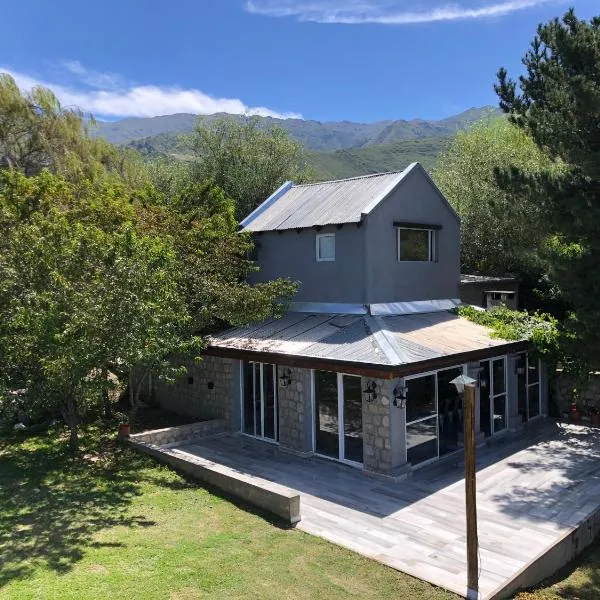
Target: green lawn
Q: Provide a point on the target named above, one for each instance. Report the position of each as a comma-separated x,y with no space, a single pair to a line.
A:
114,524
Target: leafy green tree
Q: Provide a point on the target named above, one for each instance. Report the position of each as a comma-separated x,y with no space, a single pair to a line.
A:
246,160
501,231
557,103
214,257
81,290
37,133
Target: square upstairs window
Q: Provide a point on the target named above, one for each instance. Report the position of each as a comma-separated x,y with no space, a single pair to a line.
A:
416,245
326,247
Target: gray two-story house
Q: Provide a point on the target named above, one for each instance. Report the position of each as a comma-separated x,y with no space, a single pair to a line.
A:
359,369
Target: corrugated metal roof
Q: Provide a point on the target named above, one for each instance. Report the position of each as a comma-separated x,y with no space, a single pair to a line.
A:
390,341
327,203
466,278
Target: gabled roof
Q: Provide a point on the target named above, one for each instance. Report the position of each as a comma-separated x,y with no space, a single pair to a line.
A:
327,203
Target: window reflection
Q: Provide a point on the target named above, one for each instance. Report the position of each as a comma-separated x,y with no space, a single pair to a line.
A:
420,397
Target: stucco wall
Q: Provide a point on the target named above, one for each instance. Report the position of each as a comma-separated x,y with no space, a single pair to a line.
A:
192,394
389,280
293,254
366,267
474,292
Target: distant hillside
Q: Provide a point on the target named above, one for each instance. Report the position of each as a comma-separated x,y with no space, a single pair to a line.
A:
375,159
324,165
313,135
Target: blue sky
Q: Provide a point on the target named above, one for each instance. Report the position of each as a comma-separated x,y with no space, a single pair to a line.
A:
358,60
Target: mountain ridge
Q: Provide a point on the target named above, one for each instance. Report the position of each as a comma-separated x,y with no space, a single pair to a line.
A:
313,135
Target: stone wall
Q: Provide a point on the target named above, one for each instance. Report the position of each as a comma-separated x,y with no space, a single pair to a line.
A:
168,435
377,438
295,411
209,390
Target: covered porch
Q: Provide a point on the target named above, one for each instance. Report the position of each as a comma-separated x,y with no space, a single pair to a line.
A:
538,503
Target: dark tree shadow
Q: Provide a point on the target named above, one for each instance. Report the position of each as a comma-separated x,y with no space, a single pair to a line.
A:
53,504
563,477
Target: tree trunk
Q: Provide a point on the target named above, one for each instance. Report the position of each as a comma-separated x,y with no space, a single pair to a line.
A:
134,398
71,417
106,403
73,437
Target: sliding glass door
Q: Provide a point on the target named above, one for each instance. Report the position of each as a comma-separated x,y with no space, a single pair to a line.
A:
528,383
260,400
338,416
492,396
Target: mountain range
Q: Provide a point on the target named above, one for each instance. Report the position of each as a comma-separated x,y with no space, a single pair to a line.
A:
333,148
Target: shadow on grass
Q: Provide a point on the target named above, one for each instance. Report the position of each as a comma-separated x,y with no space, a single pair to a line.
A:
52,504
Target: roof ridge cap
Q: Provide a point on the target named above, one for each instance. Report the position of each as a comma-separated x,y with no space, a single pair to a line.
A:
367,176
389,346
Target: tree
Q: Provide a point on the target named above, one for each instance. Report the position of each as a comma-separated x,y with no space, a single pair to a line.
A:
37,133
501,231
557,103
81,290
247,161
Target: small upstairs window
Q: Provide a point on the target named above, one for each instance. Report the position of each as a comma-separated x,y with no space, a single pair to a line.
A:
416,245
326,247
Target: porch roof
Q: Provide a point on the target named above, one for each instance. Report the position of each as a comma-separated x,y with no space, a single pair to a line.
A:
383,346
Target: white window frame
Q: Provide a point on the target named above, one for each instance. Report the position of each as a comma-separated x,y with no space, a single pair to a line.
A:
255,435
493,395
340,415
432,244
317,240
528,385
435,416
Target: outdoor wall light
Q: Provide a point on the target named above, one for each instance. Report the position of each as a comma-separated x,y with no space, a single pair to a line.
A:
370,392
461,381
211,385
400,396
285,378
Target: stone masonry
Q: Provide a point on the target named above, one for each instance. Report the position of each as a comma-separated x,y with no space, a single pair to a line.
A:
168,435
295,412
377,428
206,391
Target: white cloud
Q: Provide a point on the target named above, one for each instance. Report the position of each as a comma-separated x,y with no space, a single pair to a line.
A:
105,95
384,12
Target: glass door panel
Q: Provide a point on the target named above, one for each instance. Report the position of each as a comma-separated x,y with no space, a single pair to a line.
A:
259,403
521,367
269,391
499,394
421,441
353,433
533,386
449,410
327,440
422,419
420,398
251,372
485,417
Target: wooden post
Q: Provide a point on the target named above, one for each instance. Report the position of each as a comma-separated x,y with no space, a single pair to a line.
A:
470,493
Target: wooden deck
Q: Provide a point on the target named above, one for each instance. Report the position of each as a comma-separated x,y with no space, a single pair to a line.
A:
533,494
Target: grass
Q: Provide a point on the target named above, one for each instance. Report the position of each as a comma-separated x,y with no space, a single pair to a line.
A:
110,523
114,524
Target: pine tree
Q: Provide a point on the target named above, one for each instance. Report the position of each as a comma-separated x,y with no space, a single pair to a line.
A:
557,102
